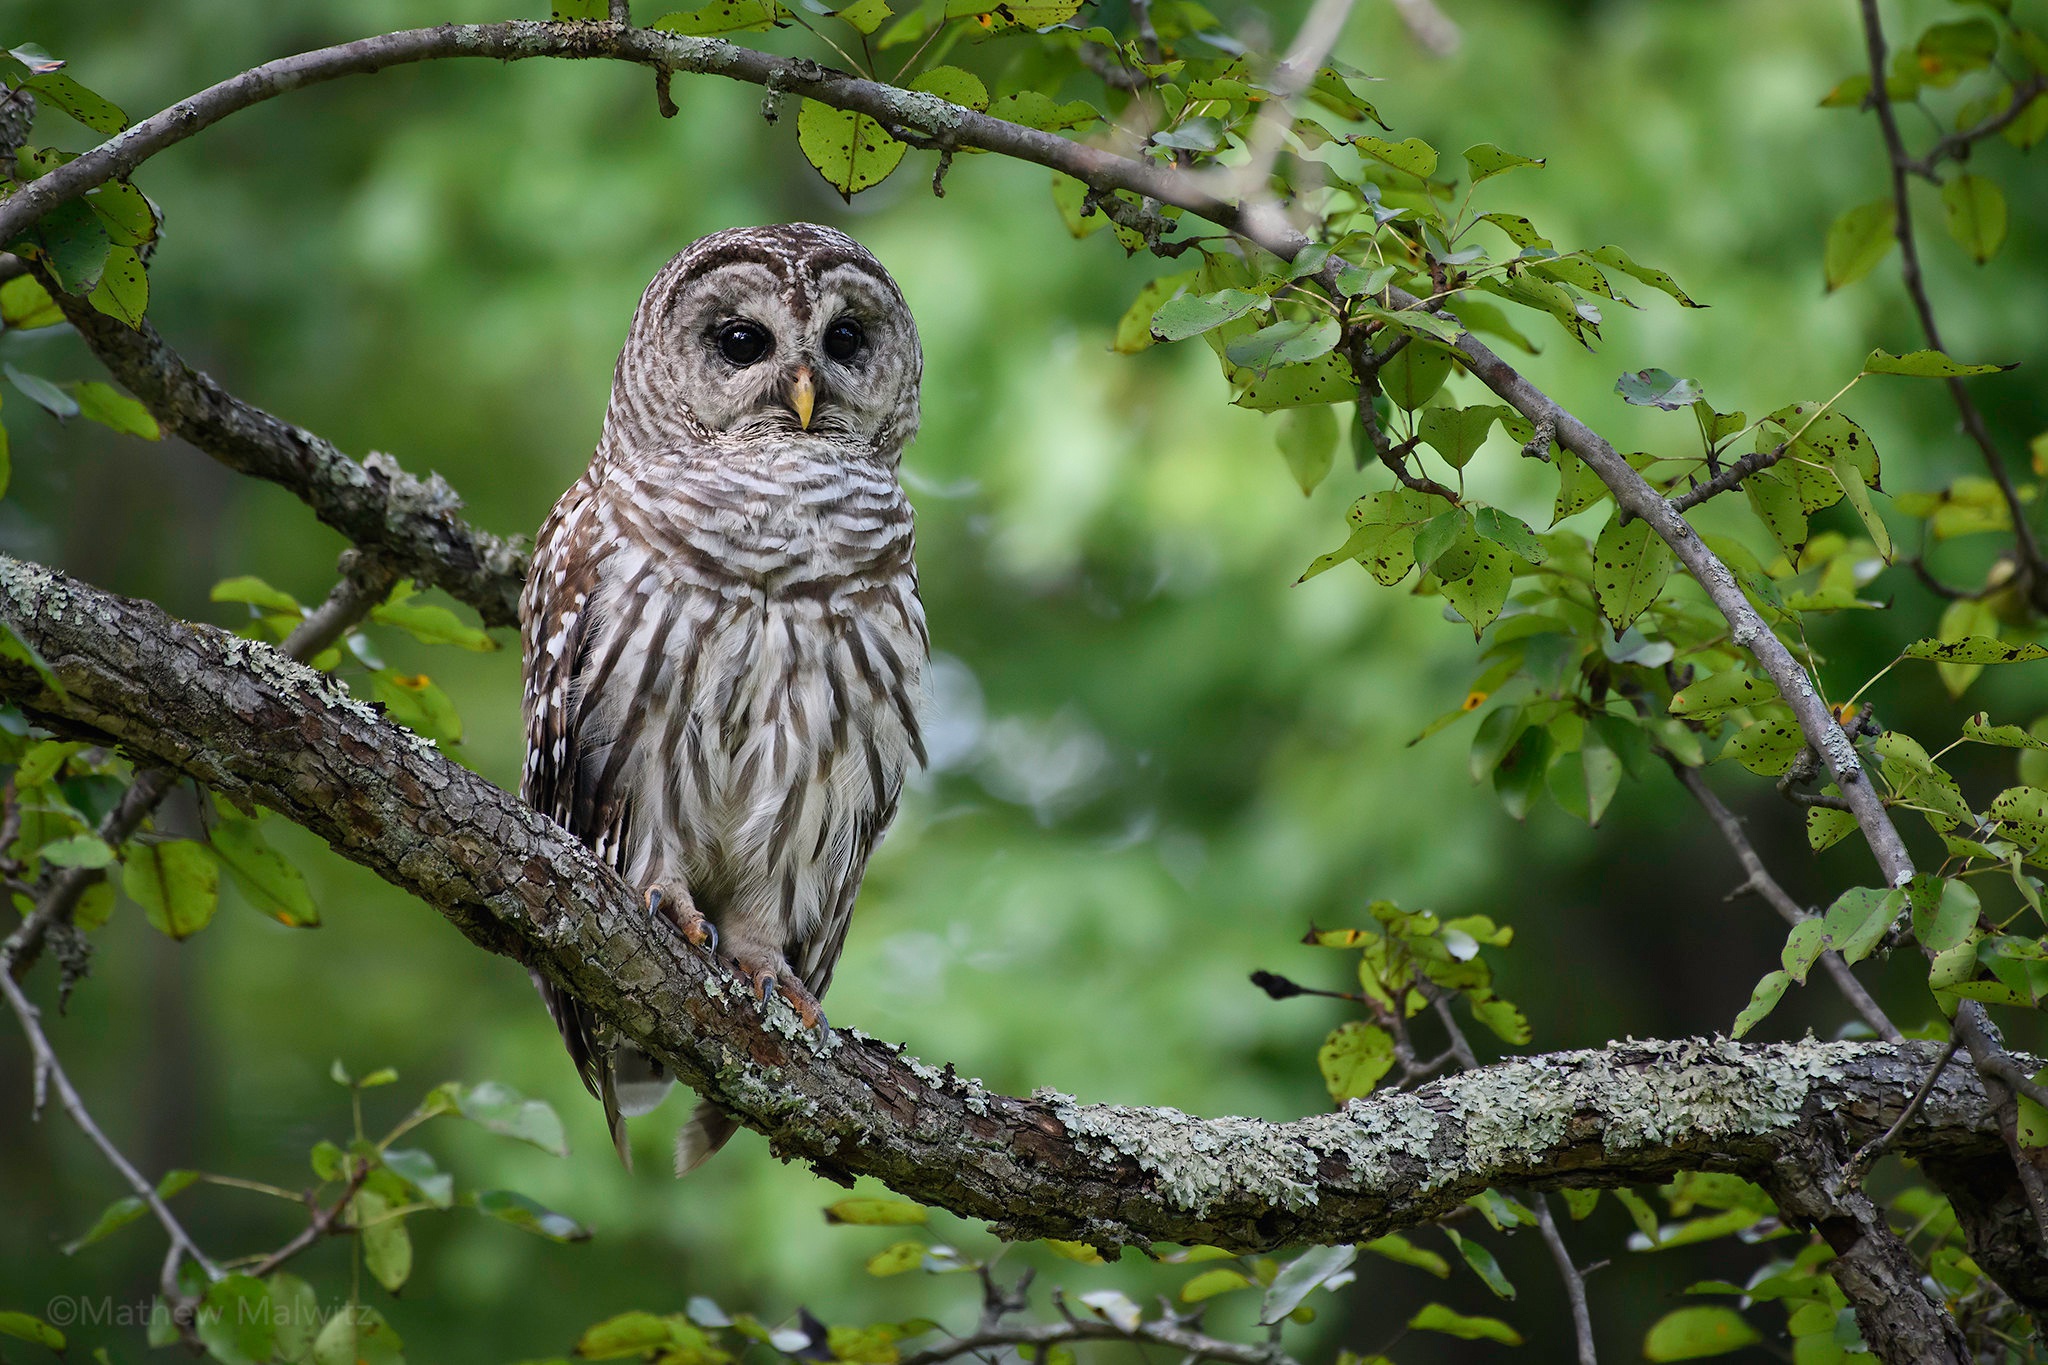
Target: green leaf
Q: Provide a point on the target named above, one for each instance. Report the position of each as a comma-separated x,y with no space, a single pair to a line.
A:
1944,911
257,593
358,1336
412,700
433,625
1437,1318
272,884
1615,257
234,1321
25,1327
1479,594
1803,947
1354,1058
1289,341
1657,389
1580,1203
1014,13
1578,487
501,1109
416,1168
387,1246
876,1212
112,1219
850,150
123,290
124,213
1134,329
80,850
1694,1333
724,16
1412,155
176,882
958,86
1383,539
1719,692
59,90
1457,433
574,11
509,1206
1978,729
1192,314
1925,365
1510,532
1308,442
1976,215
897,1259
1210,1283
1327,379
1397,1248
1034,109
1487,161
1949,51
1300,1277
73,243
1630,566
1414,375
26,305
1859,919
1483,1265
42,393
294,1314
628,1334
1859,239
866,16
1975,649
1762,1001
107,405
1639,1213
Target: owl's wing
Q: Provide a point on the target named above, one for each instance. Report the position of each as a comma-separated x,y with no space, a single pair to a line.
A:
819,952
558,637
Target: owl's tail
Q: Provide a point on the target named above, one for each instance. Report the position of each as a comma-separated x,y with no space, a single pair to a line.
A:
708,1129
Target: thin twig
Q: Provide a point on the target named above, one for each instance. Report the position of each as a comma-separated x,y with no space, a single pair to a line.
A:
1859,1163
1791,911
2003,1083
1174,1336
1902,169
1432,29
1574,1279
48,1071
1956,146
323,1221
1728,478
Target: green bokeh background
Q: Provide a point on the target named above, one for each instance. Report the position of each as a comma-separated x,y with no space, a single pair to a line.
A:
1158,760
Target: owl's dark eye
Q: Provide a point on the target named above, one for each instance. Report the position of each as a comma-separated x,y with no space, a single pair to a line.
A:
743,343
844,338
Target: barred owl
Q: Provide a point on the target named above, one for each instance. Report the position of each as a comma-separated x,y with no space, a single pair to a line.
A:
722,633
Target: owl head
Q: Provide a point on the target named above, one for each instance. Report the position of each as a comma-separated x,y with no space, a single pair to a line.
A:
781,329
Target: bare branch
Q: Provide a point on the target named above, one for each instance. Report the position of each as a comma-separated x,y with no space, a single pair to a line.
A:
1866,1156
1760,880
408,522
1728,478
1432,29
1902,168
244,721
1956,146
1574,1279
48,1071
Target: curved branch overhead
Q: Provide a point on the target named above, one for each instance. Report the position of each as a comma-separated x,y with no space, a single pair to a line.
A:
251,724
932,121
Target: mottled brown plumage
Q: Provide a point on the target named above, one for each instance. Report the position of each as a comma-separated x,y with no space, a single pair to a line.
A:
723,639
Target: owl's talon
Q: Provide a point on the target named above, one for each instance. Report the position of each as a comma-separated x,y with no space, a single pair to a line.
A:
765,976
684,916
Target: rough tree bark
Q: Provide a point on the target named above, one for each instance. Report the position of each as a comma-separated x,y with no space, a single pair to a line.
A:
251,724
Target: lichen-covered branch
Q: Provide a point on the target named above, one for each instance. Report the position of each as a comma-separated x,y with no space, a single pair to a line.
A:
411,524
237,716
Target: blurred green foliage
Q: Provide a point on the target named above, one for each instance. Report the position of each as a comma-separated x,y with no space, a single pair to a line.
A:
1157,761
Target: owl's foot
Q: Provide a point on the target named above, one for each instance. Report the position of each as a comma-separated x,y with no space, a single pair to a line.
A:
682,912
767,972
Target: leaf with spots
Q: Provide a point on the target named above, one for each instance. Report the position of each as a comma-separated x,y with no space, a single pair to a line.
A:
1412,377
1979,730
952,84
1719,692
1384,526
1327,379
1457,433
1578,487
1411,155
1014,13
1353,1059
1976,649
1762,1001
1617,259
1630,566
1480,594
1767,747
724,16
1777,505
123,290
1926,365
850,150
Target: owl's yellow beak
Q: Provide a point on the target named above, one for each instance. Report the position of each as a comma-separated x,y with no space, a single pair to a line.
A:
803,396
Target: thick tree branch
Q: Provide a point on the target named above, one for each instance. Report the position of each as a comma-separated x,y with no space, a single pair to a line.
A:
240,718
409,523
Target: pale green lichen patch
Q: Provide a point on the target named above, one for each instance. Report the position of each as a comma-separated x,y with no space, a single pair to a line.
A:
1195,1162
